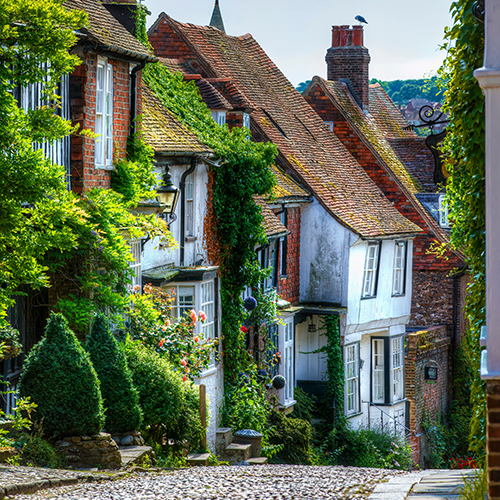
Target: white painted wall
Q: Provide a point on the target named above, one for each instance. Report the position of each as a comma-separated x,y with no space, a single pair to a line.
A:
154,255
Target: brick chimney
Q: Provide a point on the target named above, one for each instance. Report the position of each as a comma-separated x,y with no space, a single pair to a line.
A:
347,60
124,11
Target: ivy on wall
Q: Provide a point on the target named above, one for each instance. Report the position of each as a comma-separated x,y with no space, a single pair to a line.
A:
465,145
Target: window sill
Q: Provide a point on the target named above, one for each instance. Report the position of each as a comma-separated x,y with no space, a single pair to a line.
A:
352,415
398,402
105,167
190,239
398,295
209,371
368,298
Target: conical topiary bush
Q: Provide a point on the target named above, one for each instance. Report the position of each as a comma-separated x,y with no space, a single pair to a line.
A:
121,399
59,377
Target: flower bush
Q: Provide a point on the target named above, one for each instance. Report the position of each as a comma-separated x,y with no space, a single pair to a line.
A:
151,322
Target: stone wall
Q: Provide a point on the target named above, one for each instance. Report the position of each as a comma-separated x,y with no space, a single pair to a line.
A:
90,451
430,347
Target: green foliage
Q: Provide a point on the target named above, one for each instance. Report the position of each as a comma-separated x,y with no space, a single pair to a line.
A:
10,346
295,437
170,406
35,42
436,441
59,378
304,407
403,91
135,177
245,405
40,452
475,487
465,145
244,171
367,448
120,397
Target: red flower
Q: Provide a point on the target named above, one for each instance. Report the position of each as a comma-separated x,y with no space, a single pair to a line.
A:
184,378
183,362
244,329
162,341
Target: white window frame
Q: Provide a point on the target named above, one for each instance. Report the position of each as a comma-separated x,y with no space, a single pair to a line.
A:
443,212
104,114
246,120
286,367
397,369
135,264
219,117
370,274
190,205
207,305
399,269
329,124
351,389
283,250
378,370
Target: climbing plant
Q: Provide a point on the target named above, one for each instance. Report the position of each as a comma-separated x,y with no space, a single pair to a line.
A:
464,101
242,173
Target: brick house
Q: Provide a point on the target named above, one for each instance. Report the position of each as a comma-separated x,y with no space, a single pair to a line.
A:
372,128
102,94
344,229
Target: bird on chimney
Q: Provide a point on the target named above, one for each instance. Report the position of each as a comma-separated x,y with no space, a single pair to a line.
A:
361,20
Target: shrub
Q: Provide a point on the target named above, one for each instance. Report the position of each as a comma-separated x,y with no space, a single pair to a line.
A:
169,404
60,379
305,406
294,434
120,397
40,452
368,448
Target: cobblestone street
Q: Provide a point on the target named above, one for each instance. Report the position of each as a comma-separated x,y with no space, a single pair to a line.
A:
274,482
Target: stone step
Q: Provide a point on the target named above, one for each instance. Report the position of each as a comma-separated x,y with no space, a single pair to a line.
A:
257,461
236,453
135,455
223,438
197,459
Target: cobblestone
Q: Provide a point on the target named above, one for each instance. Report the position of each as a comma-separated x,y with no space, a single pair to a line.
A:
271,482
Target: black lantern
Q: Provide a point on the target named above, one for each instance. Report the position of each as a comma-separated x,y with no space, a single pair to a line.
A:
431,374
168,194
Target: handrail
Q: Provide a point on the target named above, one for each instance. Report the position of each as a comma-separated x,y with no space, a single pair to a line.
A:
390,416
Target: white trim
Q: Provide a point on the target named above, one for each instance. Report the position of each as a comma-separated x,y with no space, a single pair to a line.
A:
103,150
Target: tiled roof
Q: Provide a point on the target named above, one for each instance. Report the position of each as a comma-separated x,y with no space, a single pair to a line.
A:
211,96
107,33
226,87
164,132
272,225
306,146
286,187
374,130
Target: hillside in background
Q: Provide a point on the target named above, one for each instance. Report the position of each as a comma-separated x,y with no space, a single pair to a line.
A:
403,91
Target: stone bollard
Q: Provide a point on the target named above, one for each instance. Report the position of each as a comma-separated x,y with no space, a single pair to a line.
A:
249,436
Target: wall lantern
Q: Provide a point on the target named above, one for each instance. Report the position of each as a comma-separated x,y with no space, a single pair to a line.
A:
431,374
311,327
168,195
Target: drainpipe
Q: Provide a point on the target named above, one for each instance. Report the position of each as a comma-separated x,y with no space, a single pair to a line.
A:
133,95
182,187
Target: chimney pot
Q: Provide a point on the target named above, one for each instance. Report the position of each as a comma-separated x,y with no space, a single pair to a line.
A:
335,36
357,35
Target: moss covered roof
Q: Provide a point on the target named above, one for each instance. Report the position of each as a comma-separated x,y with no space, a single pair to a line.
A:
164,132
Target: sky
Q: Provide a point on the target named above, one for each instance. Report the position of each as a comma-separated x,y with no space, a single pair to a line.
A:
403,36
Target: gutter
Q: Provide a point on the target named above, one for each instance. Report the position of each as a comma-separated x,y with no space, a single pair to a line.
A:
182,187
133,96
126,53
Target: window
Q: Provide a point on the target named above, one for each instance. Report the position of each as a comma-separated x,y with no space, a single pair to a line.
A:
378,365
268,259
329,125
219,117
183,300
443,212
387,370
398,277
189,205
283,245
246,120
288,362
351,357
104,115
208,307
370,274
397,379
135,265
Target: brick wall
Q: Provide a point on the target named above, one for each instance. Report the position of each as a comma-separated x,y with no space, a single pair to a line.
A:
493,438
288,286
84,175
430,347
167,43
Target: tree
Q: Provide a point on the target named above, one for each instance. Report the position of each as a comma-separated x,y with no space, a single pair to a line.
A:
35,206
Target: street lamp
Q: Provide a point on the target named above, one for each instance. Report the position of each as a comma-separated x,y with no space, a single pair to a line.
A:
168,195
